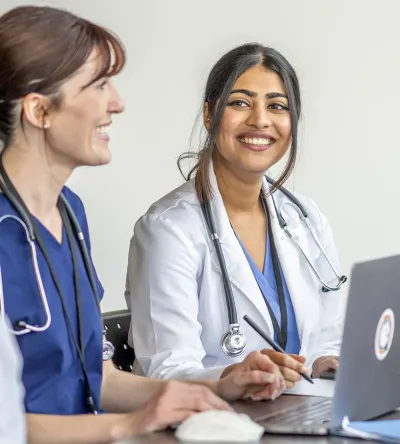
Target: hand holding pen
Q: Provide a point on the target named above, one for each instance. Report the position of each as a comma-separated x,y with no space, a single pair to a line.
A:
302,370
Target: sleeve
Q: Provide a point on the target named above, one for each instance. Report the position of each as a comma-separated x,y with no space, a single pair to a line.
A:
12,414
163,297
329,336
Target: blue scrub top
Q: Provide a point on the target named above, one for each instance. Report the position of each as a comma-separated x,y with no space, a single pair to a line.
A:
267,283
52,372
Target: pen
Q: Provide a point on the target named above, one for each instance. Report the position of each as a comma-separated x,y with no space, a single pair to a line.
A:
272,343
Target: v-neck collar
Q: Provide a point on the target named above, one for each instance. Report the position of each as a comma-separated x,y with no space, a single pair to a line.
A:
53,242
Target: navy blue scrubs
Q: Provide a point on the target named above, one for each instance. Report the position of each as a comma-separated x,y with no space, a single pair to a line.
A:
52,372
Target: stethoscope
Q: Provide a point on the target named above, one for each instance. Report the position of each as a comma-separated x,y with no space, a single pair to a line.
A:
73,229
233,342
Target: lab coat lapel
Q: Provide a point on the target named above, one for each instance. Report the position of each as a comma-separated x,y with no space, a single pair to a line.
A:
300,284
239,271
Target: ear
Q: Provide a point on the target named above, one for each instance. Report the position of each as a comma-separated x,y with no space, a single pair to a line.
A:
36,109
206,116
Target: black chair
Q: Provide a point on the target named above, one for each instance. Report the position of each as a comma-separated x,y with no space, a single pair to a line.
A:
116,324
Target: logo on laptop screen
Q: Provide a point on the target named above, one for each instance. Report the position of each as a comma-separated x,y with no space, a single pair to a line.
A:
384,334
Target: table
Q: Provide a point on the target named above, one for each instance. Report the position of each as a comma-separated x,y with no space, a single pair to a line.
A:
254,409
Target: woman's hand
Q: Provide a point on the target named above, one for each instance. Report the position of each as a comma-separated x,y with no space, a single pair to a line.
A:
324,364
289,365
257,378
175,402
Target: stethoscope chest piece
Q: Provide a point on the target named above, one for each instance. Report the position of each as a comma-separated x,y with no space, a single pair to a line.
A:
233,342
108,349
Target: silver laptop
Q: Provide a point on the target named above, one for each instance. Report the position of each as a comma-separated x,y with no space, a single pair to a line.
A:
369,361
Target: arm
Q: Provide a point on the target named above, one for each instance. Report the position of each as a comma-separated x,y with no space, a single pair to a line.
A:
95,429
258,377
332,305
171,404
125,392
162,273
82,429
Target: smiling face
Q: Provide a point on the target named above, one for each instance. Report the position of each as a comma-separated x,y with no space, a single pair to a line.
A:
77,131
255,130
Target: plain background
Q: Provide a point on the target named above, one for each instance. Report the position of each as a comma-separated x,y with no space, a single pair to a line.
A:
347,57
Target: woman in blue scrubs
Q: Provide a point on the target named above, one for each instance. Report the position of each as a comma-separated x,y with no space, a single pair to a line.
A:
251,112
57,101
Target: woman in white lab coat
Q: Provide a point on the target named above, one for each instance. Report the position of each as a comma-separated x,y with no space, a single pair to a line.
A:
174,281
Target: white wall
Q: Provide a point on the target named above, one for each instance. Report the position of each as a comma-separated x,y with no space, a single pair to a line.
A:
347,57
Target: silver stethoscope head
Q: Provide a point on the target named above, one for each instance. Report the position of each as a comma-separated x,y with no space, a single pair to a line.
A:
304,217
108,348
233,342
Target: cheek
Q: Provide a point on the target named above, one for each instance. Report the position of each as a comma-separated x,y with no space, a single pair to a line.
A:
229,121
283,127
75,122
228,128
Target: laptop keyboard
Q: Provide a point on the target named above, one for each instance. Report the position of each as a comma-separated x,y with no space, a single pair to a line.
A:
316,412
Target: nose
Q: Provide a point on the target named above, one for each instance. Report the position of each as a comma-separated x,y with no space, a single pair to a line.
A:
259,117
116,104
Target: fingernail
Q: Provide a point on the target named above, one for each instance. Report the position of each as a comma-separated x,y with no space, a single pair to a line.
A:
269,378
256,398
304,369
275,394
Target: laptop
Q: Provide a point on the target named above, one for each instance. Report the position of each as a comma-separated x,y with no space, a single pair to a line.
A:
366,384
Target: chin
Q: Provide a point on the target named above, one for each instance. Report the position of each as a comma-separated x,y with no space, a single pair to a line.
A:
255,168
260,166
100,157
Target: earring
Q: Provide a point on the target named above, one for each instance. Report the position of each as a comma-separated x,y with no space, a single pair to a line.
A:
46,125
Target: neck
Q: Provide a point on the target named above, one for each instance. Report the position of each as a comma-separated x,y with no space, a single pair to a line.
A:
37,178
240,191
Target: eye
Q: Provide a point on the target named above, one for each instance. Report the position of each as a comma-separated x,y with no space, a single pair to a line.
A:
278,107
102,84
240,103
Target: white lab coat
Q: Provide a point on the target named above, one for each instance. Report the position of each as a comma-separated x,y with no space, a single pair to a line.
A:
12,411
176,295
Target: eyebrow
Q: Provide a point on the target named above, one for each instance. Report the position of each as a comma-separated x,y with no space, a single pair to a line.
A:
271,95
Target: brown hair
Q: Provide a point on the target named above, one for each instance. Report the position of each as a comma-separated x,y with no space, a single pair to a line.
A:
40,48
218,88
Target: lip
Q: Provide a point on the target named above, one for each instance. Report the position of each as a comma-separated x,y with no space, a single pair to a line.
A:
104,137
256,135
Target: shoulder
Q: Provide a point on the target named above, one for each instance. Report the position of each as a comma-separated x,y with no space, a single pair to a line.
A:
178,211
177,207
181,198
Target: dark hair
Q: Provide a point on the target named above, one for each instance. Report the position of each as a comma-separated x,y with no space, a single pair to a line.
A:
40,48
219,85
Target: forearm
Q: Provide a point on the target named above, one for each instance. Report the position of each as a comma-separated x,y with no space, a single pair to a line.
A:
76,429
125,392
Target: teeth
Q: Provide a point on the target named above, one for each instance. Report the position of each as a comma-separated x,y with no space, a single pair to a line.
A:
103,129
257,141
